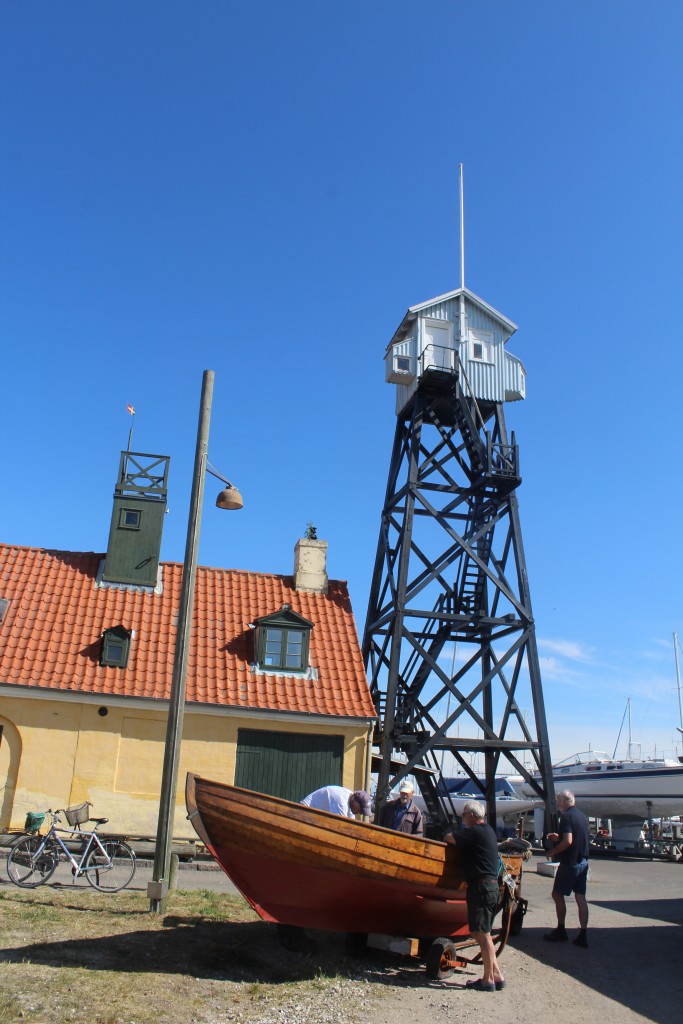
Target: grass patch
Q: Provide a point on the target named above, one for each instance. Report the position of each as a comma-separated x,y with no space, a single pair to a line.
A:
10,1008
92,958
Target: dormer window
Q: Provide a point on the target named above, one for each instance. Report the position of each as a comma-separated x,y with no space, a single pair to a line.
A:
282,641
115,647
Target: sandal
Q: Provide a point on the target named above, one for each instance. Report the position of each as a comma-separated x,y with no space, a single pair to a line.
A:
481,986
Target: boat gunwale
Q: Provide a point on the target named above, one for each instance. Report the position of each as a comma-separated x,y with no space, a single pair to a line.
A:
341,826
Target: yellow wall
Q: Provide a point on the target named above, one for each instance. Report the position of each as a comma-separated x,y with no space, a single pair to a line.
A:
60,753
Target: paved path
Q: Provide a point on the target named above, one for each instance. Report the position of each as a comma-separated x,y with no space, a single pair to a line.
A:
197,875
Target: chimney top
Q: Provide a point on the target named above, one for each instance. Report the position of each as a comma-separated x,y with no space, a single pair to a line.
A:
310,565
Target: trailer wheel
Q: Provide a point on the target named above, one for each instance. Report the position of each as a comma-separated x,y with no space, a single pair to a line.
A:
440,957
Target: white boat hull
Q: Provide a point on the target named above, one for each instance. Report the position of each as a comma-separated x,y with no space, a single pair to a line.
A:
627,792
507,811
636,792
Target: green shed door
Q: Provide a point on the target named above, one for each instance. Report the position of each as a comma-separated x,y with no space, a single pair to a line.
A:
287,764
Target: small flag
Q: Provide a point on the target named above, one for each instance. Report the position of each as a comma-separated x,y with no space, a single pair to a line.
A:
130,409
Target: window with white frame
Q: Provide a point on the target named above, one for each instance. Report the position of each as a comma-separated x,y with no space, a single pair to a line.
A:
481,346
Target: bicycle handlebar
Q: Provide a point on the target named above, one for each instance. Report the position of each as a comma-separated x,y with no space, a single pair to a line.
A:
55,815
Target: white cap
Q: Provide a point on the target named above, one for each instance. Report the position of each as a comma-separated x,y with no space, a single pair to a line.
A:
406,787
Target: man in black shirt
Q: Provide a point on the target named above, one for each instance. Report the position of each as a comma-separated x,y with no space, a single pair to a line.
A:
479,847
572,852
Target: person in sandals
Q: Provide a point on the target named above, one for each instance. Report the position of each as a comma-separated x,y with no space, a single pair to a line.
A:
479,847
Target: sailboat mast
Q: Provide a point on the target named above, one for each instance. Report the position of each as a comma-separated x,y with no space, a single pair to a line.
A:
678,681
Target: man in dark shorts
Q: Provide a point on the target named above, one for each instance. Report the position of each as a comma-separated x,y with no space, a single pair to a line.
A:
478,844
572,874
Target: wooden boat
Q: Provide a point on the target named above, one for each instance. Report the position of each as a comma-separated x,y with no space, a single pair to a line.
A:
300,866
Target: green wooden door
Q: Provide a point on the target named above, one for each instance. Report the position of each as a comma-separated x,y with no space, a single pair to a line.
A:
287,764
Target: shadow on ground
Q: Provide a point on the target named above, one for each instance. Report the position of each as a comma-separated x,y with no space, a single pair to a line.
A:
622,964
670,910
217,950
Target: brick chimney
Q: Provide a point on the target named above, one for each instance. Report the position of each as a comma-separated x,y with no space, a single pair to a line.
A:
310,566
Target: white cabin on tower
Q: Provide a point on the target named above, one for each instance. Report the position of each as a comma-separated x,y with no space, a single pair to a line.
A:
457,334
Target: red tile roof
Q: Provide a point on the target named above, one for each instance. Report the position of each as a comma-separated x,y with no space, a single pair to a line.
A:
50,636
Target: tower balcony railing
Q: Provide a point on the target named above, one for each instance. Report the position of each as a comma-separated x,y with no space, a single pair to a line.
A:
503,459
437,359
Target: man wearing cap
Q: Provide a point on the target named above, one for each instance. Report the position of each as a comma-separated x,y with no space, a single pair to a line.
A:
401,814
339,800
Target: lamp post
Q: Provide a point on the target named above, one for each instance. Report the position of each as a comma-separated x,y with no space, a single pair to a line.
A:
230,498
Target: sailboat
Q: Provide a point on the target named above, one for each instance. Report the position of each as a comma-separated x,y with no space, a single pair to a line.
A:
629,790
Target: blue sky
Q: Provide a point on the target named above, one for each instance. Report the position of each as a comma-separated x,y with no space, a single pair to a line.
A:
263,190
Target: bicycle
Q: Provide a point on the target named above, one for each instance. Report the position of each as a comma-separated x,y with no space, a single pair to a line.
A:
107,863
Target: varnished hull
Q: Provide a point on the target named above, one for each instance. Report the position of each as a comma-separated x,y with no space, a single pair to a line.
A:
299,866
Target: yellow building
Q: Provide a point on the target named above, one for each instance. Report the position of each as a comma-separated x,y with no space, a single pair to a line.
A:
277,698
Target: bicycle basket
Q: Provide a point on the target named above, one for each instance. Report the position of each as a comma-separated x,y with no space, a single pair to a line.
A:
77,815
33,822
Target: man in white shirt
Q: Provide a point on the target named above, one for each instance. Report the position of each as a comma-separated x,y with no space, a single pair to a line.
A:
339,800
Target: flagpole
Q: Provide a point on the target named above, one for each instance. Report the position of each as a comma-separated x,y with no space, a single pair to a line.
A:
131,410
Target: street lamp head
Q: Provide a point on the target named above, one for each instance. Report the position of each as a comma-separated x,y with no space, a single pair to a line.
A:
230,498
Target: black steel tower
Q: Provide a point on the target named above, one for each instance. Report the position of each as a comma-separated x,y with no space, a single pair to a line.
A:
449,643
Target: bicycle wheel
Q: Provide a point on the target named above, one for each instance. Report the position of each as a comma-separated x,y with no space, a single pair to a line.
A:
111,870
27,868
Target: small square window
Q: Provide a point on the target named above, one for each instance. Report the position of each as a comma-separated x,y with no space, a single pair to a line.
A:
403,364
115,647
115,652
129,519
481,346
4,605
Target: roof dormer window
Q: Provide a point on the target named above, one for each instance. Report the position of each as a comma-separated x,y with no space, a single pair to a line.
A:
282,641
115,647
